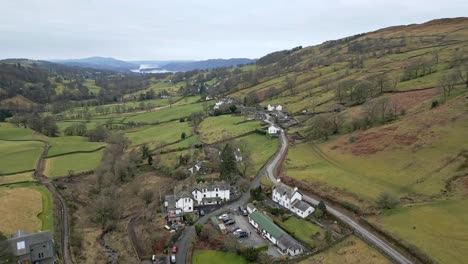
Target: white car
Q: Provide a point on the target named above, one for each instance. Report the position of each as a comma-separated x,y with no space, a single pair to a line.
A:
223,216
173,259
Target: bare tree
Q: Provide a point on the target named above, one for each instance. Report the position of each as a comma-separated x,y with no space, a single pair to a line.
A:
447,83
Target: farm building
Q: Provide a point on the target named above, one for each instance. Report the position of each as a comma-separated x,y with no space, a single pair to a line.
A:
32,248
272,107
291,199
273,130
251,208
285,243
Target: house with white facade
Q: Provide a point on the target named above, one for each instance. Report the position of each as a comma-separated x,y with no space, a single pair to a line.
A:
291,198
273,130
273,107
211,193
269,230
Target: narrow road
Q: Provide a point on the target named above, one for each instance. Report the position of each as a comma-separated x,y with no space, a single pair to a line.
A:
362,231
38,174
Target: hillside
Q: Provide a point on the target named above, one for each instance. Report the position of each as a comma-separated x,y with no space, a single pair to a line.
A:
100,63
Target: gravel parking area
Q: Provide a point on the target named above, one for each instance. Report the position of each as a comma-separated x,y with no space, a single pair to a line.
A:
254,239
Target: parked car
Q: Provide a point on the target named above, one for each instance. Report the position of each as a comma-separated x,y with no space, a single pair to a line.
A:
202,213
236,229
225,219
153,258
241,234
223,216
230,222
245,212
174,249
173,259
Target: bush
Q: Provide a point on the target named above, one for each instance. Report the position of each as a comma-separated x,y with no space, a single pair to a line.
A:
387,201
262,248
434,103
182,119
198,228
183,135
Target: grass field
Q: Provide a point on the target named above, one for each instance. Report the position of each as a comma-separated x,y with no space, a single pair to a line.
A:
162,133
9,131
352,250
185,143
390,158
166,114
213,129
302,229
439,229
61,145
14,178
60,166
261,149
17,156
216,257
27,207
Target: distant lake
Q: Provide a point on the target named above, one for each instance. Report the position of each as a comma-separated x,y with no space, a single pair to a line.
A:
150,68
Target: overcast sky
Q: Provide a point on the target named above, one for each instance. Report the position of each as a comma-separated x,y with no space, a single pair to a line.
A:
175,29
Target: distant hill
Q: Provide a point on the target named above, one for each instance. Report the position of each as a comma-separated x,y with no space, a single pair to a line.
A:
100,63
205,64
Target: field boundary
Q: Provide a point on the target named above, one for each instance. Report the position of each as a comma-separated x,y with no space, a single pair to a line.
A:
17,172
76,152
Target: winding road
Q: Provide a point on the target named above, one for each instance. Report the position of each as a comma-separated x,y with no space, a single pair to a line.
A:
38,174
359,229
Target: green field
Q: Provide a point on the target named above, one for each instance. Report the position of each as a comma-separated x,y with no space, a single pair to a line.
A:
352,250
302,230
439,229
89,125
159,134
213,129
17,156
166,114
60,166
216,257
61,145
189,141
14,178
9,131
261,149
26,206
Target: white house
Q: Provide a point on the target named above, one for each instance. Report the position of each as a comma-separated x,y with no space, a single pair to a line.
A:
211,193
251,208
274,107
291,199
273,130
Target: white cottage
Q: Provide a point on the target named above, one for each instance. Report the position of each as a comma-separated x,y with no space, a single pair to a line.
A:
291,199
273,130
273,107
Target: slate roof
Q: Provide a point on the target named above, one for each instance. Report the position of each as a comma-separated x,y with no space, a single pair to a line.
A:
182,191
23,243
287,242
284,189
211,186
264,222
301,205
170,199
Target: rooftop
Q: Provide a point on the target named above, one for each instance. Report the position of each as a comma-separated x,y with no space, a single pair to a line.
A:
264,222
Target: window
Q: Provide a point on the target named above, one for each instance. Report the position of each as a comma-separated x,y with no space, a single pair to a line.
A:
204,196
216,195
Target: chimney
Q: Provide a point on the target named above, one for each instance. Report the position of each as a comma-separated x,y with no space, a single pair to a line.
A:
278,180
295,189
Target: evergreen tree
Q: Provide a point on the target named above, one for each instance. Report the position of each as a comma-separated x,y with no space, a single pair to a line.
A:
227,166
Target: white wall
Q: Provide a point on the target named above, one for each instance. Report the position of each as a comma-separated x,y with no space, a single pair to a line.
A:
200,194
186,204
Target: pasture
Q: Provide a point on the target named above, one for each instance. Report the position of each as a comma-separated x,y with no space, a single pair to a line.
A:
18,156
18,177
214,129
62,145
439,229
166,114
261,149
216,257
159,134
27,207
62,165
351,250
10,131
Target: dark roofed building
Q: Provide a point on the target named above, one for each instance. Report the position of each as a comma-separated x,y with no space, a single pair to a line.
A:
32,248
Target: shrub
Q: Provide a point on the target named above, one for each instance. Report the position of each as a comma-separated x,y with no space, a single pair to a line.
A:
387,201
198,228
262,248
434,103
